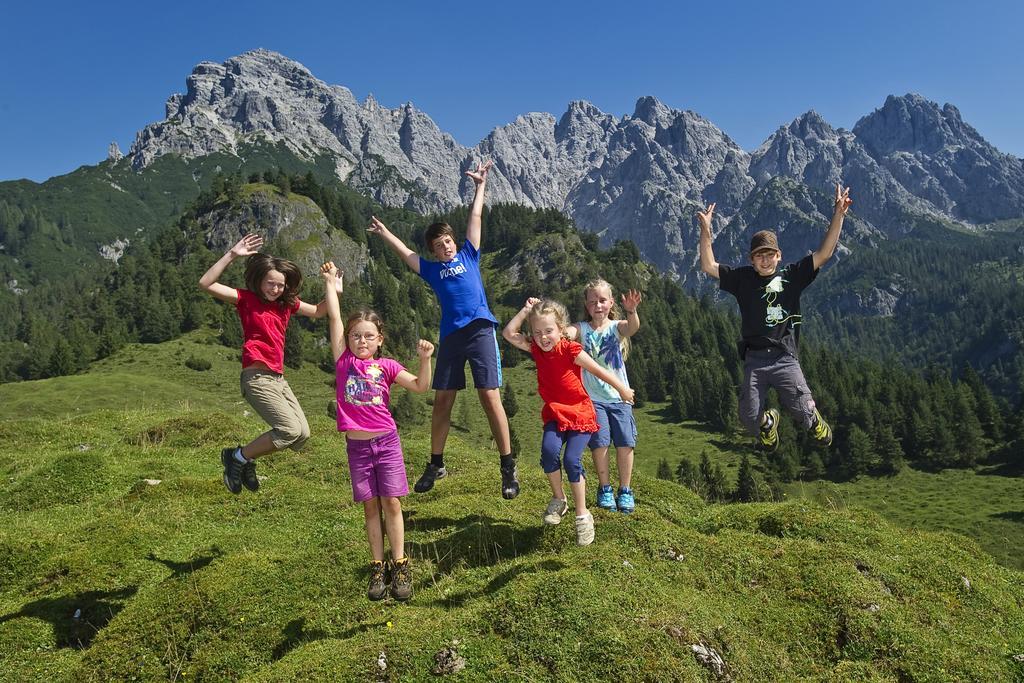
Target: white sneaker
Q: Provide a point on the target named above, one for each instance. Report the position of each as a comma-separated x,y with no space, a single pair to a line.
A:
585,529
555,511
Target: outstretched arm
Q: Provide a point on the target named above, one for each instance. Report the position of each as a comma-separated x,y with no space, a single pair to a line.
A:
407,255
332,288
513,331
418,383
476,211
707,257
247,246
630,302
584,360
828,245
320,310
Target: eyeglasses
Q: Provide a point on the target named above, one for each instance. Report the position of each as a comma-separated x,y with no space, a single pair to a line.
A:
368,336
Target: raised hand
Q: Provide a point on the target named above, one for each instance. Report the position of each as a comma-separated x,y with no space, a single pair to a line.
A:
247,246
376,227
330,273
480,174
630,300
424,348
704,218
843,200
531,302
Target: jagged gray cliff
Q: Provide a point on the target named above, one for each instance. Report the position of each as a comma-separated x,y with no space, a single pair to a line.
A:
641,177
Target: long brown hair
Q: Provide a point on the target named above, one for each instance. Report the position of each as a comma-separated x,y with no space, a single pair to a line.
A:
257,267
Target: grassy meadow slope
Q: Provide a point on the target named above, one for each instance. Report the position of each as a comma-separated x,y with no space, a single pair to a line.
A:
182,581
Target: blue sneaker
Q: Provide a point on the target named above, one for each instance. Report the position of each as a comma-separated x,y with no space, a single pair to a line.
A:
625,501
606,497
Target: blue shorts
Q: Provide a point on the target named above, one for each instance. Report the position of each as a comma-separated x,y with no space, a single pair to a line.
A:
477,342
615,424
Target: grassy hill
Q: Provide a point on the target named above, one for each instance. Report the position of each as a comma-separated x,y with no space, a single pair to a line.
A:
182,581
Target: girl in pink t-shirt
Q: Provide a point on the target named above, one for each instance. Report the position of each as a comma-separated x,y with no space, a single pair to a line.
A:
265,308
376,464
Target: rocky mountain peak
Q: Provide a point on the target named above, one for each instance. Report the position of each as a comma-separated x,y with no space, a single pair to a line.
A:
936,156
811,125
650,110
911,123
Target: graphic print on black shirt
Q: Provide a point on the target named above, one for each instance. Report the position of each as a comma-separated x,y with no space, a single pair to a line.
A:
769,305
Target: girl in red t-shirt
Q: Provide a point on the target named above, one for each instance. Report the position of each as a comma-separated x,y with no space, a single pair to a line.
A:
264,308
568,413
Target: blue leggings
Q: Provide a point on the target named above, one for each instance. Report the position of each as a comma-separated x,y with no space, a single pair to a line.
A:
551,446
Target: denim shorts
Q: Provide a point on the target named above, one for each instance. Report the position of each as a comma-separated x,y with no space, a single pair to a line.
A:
377,467
615,425
477,343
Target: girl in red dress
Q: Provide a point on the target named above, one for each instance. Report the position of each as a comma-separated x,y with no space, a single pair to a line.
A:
568,413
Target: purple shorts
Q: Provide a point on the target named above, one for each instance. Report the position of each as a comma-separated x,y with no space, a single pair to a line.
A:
377,468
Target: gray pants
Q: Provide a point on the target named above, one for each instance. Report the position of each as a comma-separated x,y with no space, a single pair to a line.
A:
768,368
270,396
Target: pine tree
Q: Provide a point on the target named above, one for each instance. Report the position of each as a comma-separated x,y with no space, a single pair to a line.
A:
509,400
718,489
679,406
890,453
688,475
859,453
968,432
746,486
294,346
664,471
713,479
514,442
62,361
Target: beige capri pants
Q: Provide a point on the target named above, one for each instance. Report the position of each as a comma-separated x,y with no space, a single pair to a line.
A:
271,397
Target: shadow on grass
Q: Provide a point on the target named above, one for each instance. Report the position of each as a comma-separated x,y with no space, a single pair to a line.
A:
295,634
1006,469
666,415
738,447
76,619
1013,516
475,541
497,583
179,569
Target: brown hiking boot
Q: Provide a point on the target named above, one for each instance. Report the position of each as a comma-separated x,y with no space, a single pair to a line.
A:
401,579
379,579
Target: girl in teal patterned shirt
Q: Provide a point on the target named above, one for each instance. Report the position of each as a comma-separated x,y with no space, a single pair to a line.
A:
606,339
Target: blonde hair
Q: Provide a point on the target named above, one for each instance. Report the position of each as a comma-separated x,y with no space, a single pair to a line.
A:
613,312
552,307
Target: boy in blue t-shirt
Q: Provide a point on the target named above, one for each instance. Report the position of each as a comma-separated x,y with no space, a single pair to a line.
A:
770,318
467,334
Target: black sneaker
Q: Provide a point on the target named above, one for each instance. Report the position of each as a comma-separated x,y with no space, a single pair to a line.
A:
432,473
401,579
380,577
249,479
509,482
232,470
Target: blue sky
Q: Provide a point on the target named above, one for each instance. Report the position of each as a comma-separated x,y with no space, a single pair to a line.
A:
77,76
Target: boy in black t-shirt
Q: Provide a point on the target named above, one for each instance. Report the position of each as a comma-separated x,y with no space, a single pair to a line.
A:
769,300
